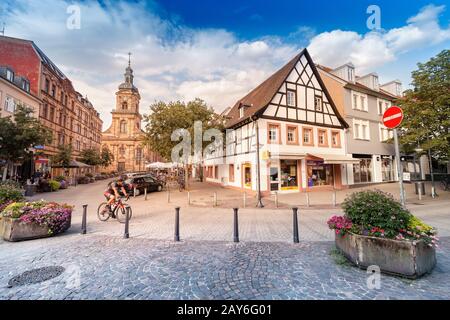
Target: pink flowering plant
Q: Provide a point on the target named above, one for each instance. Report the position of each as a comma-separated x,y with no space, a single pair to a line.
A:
377,214
56,217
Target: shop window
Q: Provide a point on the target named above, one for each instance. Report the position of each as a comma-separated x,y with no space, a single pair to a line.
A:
308,139
274,179
247,175
362,172
319,174
216,172
292,135
288,169
322,138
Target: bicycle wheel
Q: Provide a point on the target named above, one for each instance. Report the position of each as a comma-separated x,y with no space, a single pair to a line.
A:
103,213
121,214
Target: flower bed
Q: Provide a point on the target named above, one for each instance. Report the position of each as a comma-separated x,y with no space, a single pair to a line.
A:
31,220
377,230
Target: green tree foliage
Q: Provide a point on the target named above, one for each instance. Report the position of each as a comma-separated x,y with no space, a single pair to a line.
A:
91,157
20,133
427,108
106,156
165,118
63,156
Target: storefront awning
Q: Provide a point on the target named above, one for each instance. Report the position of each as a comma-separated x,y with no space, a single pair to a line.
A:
335,158
287,156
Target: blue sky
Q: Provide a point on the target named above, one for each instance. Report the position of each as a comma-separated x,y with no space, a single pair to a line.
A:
219,50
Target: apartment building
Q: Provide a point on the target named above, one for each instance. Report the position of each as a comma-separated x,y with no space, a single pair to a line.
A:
70,116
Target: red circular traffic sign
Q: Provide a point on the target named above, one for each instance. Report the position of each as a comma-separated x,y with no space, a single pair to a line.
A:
392,117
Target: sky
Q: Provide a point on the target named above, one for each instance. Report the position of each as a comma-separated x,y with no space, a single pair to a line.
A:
220,50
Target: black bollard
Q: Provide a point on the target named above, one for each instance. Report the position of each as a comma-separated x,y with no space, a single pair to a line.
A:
83,219
126,235
236,227
177,224
295,221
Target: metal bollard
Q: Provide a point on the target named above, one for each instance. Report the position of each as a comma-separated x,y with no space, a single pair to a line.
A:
334,198
420,193
276,199
83,220
177,224
168,195
215,199
126,234
295,223
189,197
134,193
307,199
245,199
236,226
145,194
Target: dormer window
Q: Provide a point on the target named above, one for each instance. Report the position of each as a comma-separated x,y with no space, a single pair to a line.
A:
26,85
241,112
398,89
375,83
318,103
9,75
350,75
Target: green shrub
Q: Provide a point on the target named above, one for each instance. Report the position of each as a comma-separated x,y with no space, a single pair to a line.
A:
60,178
375,210
10,193
14,210
11,183
54,185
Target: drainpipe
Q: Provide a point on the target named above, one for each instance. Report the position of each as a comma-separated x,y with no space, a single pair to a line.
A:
259,203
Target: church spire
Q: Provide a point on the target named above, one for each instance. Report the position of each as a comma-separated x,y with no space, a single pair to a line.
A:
129,77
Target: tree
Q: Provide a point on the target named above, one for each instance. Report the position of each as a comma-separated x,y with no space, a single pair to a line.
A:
63,156
165,118
426,108
18,134
91,157
106,157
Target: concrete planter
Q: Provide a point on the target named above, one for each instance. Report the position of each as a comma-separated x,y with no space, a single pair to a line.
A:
14,230
403,258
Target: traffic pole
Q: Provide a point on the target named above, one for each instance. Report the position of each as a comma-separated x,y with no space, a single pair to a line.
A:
399,168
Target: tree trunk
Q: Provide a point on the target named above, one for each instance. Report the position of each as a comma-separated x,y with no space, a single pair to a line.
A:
5,171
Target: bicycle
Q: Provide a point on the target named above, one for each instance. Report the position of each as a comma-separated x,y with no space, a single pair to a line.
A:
118,210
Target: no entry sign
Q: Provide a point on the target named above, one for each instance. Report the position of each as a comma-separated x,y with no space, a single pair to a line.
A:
392,117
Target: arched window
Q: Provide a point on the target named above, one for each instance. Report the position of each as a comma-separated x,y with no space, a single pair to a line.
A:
124,105
123,126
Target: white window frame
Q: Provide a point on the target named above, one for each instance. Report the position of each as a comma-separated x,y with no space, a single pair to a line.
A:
10,104
291,102
385,104
385,133
358,105
320,109
241,112
358,126
10,75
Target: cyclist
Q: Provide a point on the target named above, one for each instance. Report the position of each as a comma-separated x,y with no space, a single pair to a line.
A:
112,192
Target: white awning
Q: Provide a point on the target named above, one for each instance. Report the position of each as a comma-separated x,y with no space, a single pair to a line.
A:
287,156
335,158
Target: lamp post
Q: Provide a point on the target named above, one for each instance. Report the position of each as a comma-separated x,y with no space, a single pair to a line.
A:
433,189
259,203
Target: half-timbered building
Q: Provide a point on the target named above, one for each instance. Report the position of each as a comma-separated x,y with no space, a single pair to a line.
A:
300,133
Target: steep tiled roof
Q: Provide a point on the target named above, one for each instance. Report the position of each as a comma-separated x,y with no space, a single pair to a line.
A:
261,96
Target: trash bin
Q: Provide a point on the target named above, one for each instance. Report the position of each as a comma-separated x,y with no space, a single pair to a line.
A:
420,185
30,190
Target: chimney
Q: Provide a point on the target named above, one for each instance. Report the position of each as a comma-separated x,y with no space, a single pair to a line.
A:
346,72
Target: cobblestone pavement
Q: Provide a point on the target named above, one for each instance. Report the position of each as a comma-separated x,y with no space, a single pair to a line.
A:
99,267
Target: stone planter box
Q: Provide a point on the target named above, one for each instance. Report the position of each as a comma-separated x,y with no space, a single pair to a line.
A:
14,230
403,258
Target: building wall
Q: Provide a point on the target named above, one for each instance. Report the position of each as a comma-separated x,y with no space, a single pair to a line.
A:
8,89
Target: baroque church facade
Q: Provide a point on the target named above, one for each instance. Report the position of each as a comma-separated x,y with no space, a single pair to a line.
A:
124,138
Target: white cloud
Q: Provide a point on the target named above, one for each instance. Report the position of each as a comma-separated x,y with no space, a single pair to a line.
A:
172,61
377,48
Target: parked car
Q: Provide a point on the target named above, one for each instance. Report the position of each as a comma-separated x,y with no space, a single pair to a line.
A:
142,182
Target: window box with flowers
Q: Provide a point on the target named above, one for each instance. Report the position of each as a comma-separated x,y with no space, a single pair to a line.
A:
376,230
33,220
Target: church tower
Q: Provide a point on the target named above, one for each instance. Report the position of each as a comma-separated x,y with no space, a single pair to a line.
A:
124,138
